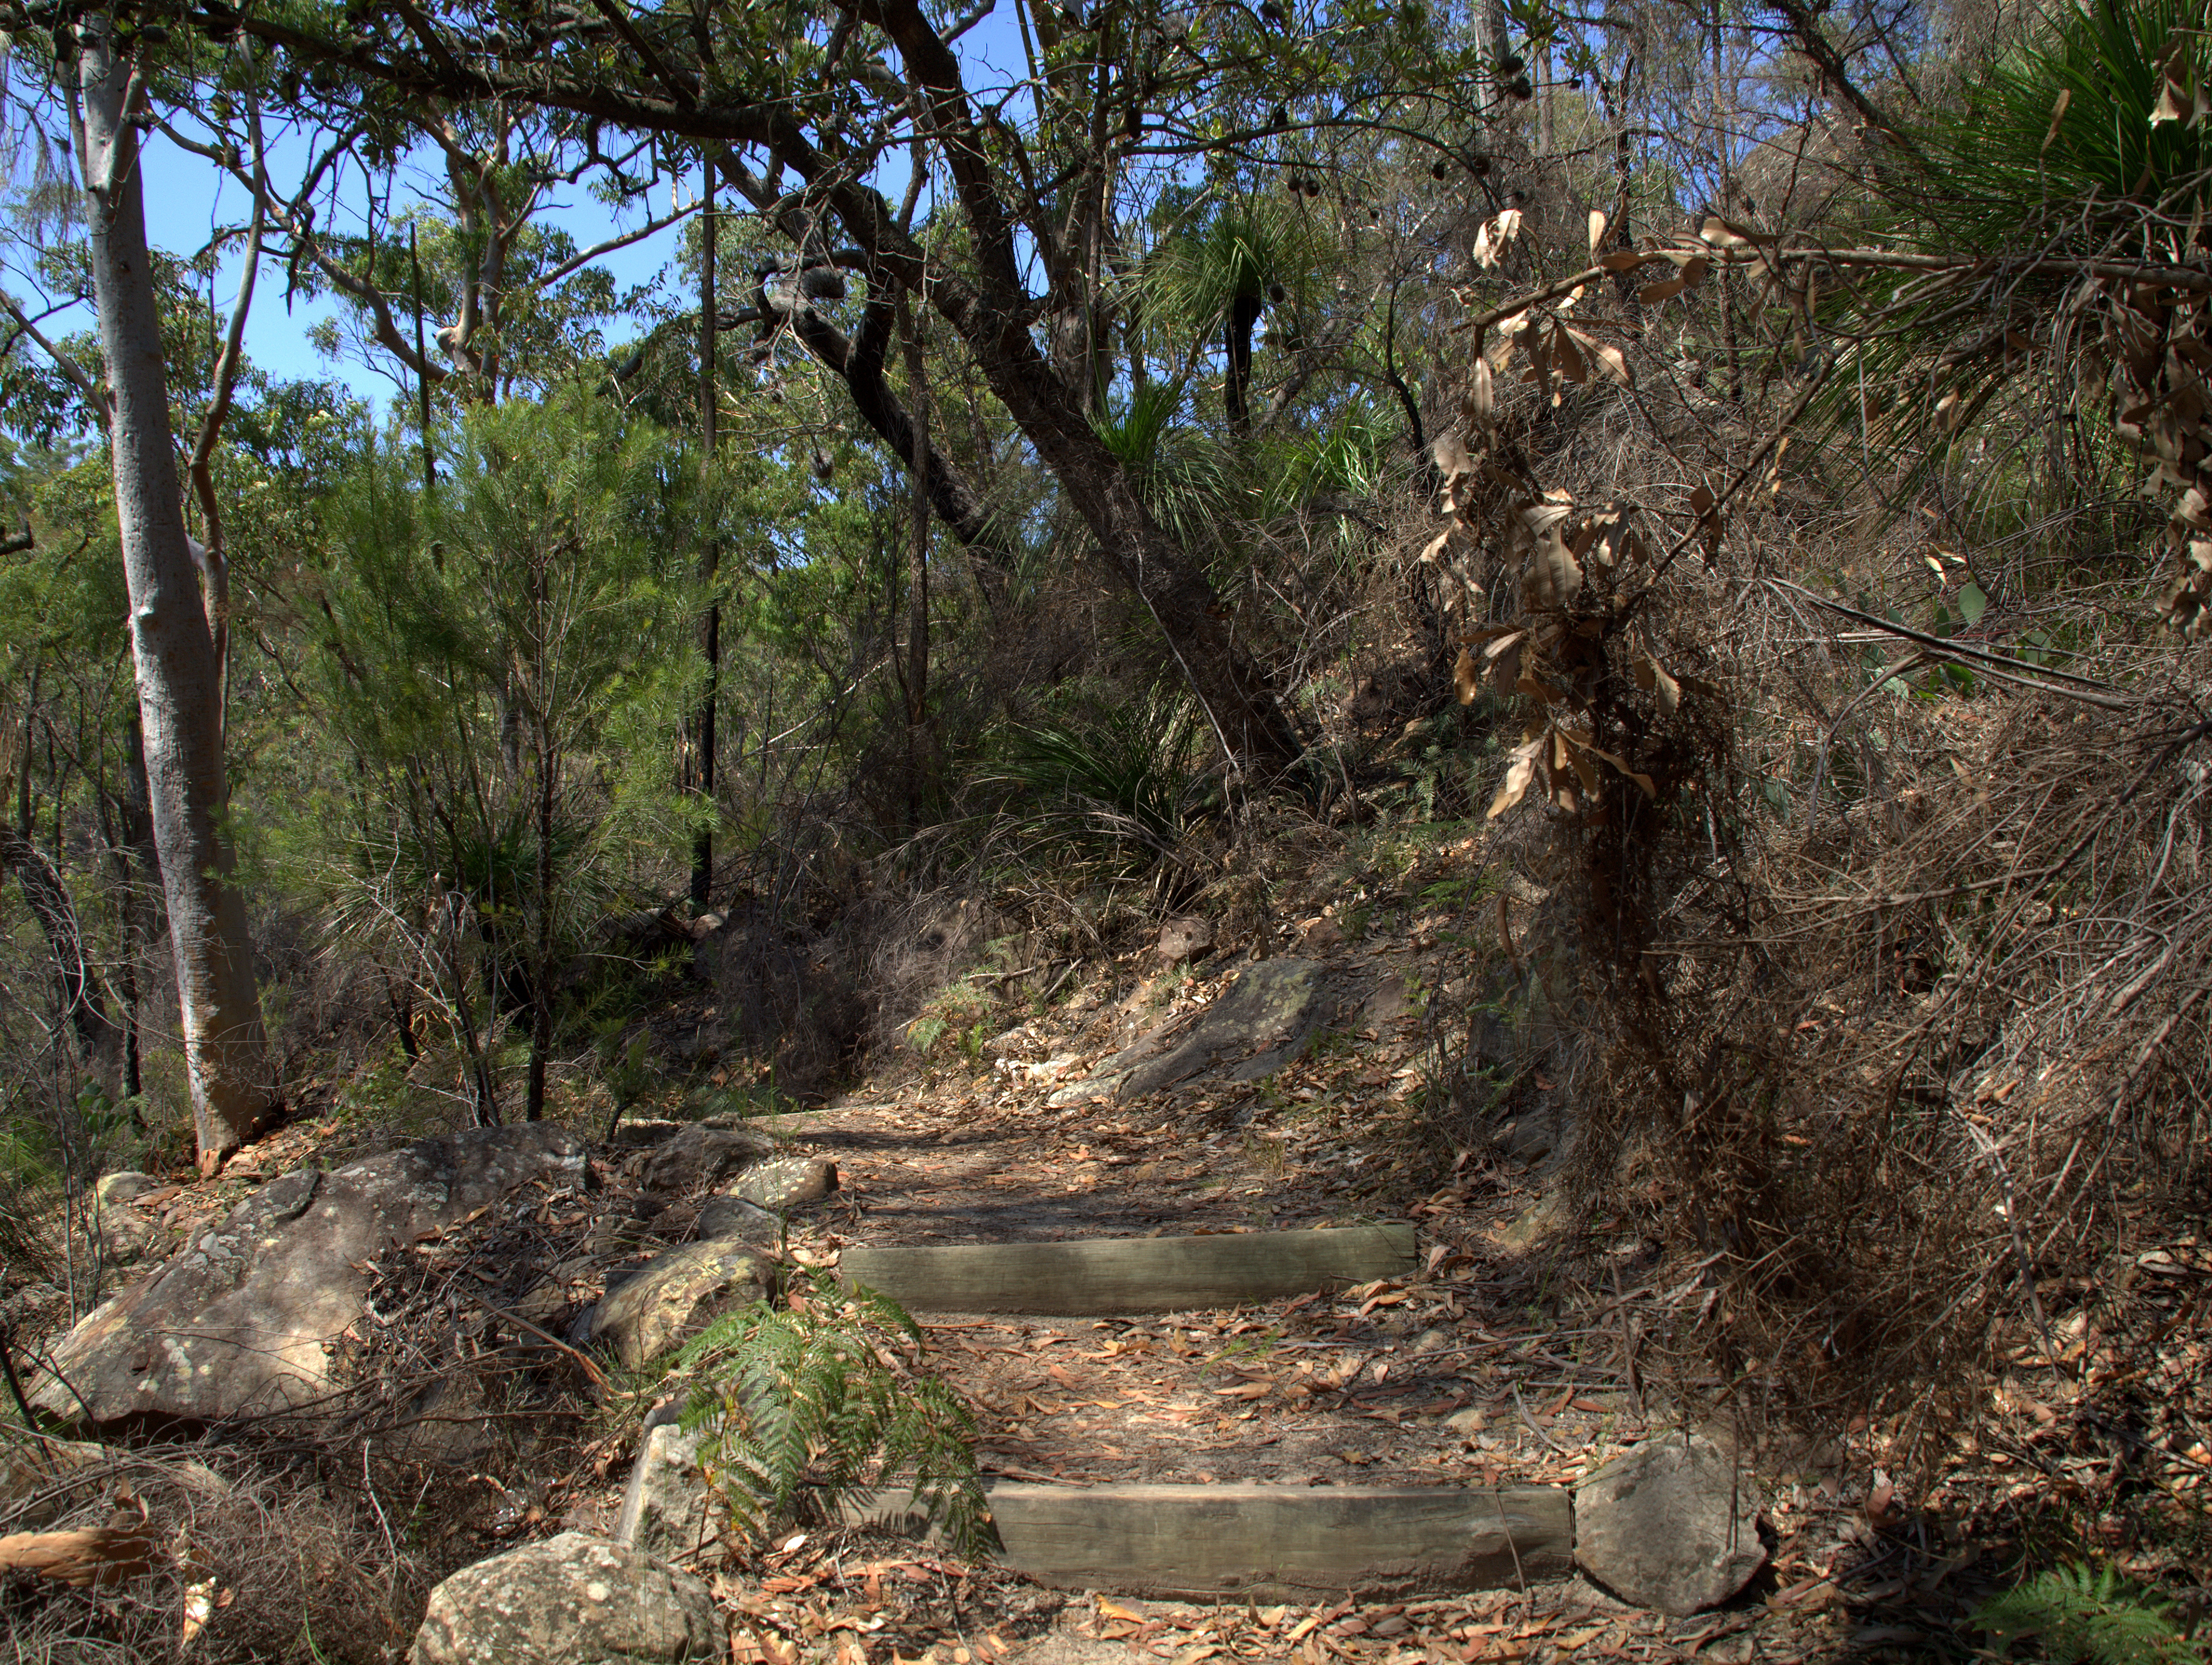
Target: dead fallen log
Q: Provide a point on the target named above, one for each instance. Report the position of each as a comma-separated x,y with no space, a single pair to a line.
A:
97,1554
1131,1274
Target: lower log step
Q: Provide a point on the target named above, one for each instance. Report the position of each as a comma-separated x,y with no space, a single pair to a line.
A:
1090,1276
1271,1542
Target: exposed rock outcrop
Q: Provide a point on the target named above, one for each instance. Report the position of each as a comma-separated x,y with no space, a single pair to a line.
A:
1258,1024
236,1324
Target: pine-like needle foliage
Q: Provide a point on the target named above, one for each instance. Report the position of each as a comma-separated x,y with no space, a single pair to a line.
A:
822,1397
2080,1612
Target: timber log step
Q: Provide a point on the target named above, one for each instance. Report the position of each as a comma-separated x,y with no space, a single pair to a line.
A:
1276,1543
1089,1277
1295,1543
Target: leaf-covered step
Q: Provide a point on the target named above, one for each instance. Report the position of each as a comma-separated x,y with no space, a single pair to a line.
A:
1267,1542
1131,1275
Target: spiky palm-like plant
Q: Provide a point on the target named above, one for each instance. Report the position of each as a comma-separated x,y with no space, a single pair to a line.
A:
1125,779
1188,480
1212,282
2069,190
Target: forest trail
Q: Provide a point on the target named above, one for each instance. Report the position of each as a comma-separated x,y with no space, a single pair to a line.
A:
1452,1379
1368,1384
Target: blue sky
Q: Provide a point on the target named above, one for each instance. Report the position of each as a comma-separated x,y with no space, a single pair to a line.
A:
185,197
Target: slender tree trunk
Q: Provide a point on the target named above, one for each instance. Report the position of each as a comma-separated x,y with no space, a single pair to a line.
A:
541,990
917,584
1547,136
452,964
235,1094
858,363
1239,701
49,901
138,865
1724,292
1236,343
1491,43
421,371
710,563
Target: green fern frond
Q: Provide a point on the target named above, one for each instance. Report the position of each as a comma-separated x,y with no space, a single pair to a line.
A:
812,1400
2080,1612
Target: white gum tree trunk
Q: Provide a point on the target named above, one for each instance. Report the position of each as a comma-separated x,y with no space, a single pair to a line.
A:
233,1088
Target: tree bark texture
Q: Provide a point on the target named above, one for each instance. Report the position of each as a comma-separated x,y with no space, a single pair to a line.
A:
917,582
1491,43
227,1058
989,314
1236,343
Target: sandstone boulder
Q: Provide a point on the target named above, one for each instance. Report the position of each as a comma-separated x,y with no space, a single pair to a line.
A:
787,1183
698,1155
664,1508
721,1218
114,1189
1673,1525
676,1294
128,1235
234,1324
573,1600
1185,936
1258,1024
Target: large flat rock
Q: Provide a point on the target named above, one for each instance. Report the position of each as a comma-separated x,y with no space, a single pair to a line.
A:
1259,1023
234,1324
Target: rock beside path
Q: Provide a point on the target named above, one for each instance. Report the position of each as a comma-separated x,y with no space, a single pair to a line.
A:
1254,1026
785,1183
675,1295
698,1154
665,1507
235,1323
1672,1525
722,1217
573,1600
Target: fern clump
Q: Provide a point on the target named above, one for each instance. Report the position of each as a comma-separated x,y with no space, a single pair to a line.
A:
818,1398
2079,1613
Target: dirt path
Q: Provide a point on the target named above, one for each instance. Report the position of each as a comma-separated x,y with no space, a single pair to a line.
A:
1452,1376
1429,1381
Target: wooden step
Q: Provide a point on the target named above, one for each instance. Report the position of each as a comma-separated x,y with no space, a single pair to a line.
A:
1092,1276
1277,1543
